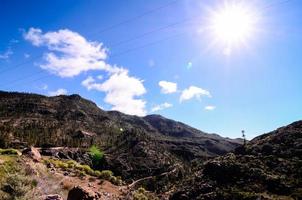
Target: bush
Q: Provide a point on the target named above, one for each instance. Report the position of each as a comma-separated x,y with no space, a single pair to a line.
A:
8,152
97,173
83,170
17,185
140,194
106,174
71,163
97,156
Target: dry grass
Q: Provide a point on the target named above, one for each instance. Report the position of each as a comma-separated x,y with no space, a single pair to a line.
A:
67,184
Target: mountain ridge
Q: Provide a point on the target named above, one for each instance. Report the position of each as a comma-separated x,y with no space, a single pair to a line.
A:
150,142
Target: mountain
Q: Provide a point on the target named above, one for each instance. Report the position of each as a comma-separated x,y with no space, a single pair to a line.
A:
168,158
134,146
268,167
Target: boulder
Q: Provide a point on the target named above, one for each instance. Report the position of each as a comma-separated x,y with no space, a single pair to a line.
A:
81,193
33,153
53,197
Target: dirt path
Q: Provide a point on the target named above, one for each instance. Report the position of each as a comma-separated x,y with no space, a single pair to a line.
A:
56,181
132,185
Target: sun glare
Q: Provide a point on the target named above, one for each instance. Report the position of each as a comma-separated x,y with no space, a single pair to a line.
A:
232,25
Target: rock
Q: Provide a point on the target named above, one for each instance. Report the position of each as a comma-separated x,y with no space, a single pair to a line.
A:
33,153
53,197
81,193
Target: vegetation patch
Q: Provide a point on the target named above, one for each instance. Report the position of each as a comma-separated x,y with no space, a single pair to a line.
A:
83,170
14,183
97,156
142,194
8,152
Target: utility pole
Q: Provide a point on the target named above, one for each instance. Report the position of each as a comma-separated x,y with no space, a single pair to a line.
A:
243,136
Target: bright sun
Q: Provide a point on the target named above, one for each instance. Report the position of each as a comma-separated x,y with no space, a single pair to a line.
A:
232,25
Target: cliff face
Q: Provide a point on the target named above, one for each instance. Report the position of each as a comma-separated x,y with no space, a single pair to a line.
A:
269,167
134,146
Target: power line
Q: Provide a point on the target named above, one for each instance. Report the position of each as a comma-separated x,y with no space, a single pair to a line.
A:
112,56
145,45
20,64
101,31
275,3
135,17
114,45
150,32
23,78
131,39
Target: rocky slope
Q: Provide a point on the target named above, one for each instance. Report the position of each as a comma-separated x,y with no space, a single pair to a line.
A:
268,167
135,147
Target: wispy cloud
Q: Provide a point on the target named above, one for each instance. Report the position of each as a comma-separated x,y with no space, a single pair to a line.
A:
193,92
5,55
189,65
161,107
60,91
151,63
167,87
69,53
44,87
26,55
122,92
210,107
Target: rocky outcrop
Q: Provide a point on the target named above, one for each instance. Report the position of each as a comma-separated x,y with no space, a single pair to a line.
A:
53,197
76,154
81,193
268,167
134,147
33,153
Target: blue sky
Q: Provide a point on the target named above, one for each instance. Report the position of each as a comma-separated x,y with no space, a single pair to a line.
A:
144,57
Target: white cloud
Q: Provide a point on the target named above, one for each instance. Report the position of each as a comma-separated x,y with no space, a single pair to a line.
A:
121,91
69,53
6,54
26,55
189,65
193,92
151,63
60,91
44,87
90,84
167,87
161,107
100,77
210,107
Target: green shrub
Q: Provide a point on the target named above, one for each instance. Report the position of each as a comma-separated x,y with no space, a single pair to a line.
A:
97,156
17,185
34,183
62,165
97,173
71,163
140,194
106,174
8,152
82,173
116,180
141,190
83,170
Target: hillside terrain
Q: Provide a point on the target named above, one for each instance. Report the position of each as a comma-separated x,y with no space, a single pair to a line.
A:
149,157
268,167
135,147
